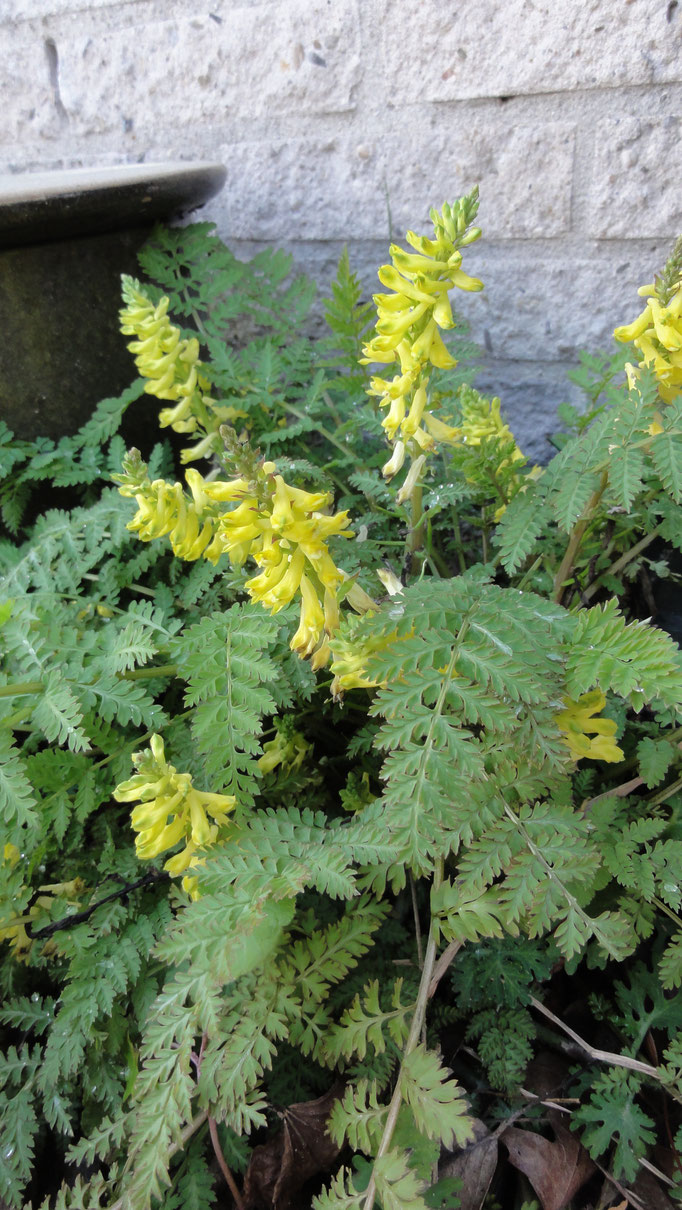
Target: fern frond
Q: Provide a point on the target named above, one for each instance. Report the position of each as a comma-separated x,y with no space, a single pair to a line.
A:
666,456
17,798
634,659
224,659
341,1194
670,964
58,715
363,1023
34,1015
520,527
324,958
398,1187
358,1118
19,1129
437,1102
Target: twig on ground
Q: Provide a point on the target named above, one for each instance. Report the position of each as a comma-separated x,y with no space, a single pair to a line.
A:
601,1056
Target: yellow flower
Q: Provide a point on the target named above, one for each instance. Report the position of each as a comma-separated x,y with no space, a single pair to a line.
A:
409,324
351,655
170,809
657,331
171,365
288,749
411,480
281,527
311,624
585,735
395,462
14,930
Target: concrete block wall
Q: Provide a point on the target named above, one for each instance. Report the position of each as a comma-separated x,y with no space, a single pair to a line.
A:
344,120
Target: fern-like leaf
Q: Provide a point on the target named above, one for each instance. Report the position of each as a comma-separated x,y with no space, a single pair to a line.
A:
438,1104
635,660
224,659
666,455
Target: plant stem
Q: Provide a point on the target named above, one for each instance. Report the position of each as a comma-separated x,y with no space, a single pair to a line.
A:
577,535
621,562
413,1038
21,688
602,1056
218,1151
663,795
484,537
663,907
147,674
415,536
417,926
444,962
527,575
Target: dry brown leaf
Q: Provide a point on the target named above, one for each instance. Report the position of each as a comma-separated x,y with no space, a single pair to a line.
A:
302,1149
474,1166
650,1191
555,1170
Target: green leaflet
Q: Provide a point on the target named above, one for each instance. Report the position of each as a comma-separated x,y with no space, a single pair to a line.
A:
438,1104
633,659
225,661
613,1117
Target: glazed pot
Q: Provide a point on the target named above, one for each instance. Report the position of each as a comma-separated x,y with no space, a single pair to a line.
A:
65,239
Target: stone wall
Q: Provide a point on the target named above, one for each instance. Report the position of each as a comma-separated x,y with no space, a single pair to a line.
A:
344,120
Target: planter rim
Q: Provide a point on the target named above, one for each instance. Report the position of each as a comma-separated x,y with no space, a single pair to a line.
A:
58,182
39,207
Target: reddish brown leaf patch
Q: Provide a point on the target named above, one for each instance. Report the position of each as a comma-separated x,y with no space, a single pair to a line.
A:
302,1149
555,1170
474,1166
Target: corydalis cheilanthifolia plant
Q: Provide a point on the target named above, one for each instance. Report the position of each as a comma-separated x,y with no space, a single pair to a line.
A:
288,959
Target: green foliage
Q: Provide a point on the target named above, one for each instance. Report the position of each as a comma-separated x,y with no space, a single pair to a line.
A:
437,1103
613,1116
432,806
505,1045
228,686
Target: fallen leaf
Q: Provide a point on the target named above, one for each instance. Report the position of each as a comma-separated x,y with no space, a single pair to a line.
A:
649,1191
556,1170
302,1149
474,1166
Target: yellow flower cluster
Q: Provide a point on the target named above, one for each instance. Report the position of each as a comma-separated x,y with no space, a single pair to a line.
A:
288,749
171,810
350,657
409,325
481,419
282,528
172,368
585,735
657,335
